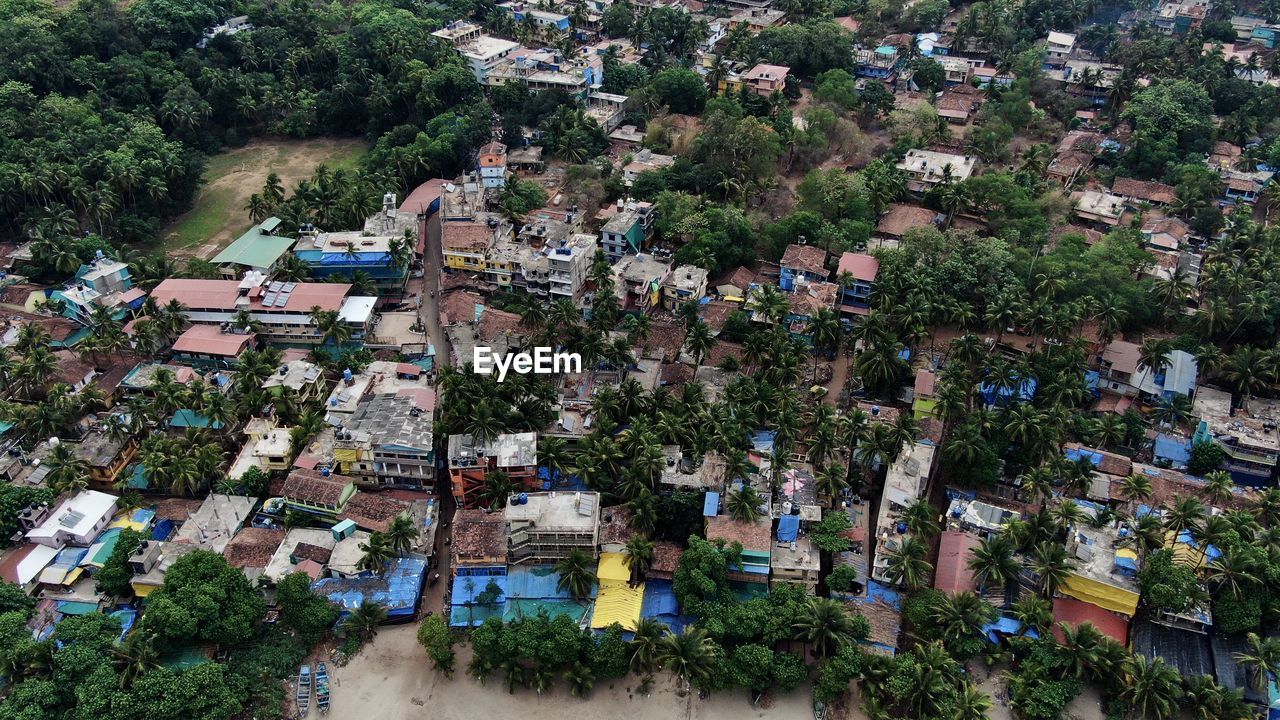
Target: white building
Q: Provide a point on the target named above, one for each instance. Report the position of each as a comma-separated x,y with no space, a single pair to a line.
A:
76,521
926,169
906,482
1058,47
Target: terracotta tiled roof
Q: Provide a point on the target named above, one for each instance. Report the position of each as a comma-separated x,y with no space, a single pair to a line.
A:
954,550
309,486
372,511
808,258
666,556
616,528
1075,612
664,340
458,307
479,534
724,349
861,265
497,323
740,278
899,218
1144,190
314,553
716,312
676,374
753,536
253,547
466,236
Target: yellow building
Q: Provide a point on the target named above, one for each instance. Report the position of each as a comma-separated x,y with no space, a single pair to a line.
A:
465,244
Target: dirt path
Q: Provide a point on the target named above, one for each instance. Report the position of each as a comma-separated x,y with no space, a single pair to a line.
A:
218,215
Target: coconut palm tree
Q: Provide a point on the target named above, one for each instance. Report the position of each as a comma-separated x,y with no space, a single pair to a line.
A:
402,533
961,616
832,481
1186,513
576,574
363,622
826,625
698,341
921,518
1151,688
992,561
744,505
639,550
646,644
1034,612
135,656
907,565
580,679
1218,486
644,512
690,655
971,703
68,472
1051,567
377,553
1262,659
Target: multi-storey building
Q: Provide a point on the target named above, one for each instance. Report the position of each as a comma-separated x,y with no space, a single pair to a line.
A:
628,230
492,164
544,527
104,283
1248,434
471,461
388,440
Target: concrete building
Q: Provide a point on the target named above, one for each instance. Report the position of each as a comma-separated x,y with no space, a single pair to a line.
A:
151,561
802,264
543,528
927,169
282,308
1105,572
106,457
1058,48
303,378
492,165
104,283
640,280
796,562
687,283
628,230
481,52
216,521
856,275
316,492
213,346
75,521
1248,434
906,482
470,461
465,244
645,161
267,447
1098,207
384,259
388,440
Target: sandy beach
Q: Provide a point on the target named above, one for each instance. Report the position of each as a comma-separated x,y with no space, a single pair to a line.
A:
392,679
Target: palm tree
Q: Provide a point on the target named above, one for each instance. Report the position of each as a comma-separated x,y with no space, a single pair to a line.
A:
363,622
992,561
971,704
1262,660
907,565
1051,567
1186,513
68,472
832,481
1218,486
576,574
826,625
1151,688
744,505
698,341
1034,612
580,679
135,656
690,655
646,645
377,553
639,550
921,518
961,616
402,533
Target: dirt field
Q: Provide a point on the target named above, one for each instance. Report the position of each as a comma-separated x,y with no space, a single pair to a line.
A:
218,216
391,679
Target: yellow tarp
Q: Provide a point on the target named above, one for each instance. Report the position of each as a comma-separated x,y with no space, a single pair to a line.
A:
1108,597
124,521
617,602
346,455
613,566
142,589
1183,553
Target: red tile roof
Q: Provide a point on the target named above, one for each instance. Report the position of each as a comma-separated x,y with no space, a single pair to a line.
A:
309,486
1075,613
861,265
422,196
952,574
807,258
210,340
373,512
459,307
222,295
253,547
753,536
1144,190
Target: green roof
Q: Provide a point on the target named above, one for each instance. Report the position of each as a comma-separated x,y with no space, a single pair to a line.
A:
192,419
256,248
73,607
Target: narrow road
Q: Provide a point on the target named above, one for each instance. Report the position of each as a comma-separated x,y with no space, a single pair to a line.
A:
429,308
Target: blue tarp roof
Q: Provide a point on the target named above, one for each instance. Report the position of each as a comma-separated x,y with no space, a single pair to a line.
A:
162,530
1007,626
788,527
466,588
535,583
711,504
1126,562
127,617
1078,454
398,588
1174,449
660,604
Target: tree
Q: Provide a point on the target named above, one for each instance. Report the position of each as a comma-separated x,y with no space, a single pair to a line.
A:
377,553
1051,567
639,550
827,626
363,622
1262,660
1206,456
204,600
433,634
115,575
691,656
1168,585
576,574
744,505
907,565
1151,688
13,599
646,645
309,614
402,534
684,91
993,562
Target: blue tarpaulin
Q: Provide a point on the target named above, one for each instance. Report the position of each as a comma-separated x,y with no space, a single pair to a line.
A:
788,527
397,588
1174,449
162,530
535,583
467,588
711,504
1078,454
1007,626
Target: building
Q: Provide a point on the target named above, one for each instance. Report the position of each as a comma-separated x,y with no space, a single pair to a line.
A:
856,276
640,279
482,53
880,63
1074,156
151,561
318,493
567,266
757,546
1098,207
384,259
543,528
465,244
1058,49
898,218
927,169
1137,192
906,482
78,520
104,283
795,561
687,283
802,264
388,440
216,521
765,80
213,346
282,308
266,447
627,231
479,542
302,378
1248,434
471,460
957,105
492,165
106,457
257,249
1105,572
645,161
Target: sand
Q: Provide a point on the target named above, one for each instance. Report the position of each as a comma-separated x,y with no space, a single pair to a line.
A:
392,679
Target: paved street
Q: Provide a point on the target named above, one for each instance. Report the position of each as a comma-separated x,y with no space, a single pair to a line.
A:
429,308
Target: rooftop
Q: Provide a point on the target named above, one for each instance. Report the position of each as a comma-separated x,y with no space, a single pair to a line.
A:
806,258
952,572
219,518
98,449
76,515
687,277
257,248
861,265
1254,424
799,554
937,166
309,486
253,547
755,536
479,534
211,340
295,375
569,511
385,420
225,295
282,561
1145,190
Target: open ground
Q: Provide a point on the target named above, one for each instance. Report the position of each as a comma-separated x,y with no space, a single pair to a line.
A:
218,216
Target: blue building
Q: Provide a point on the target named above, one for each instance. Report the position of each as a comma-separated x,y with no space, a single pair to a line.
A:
856,275
103,283
802,264
343,254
